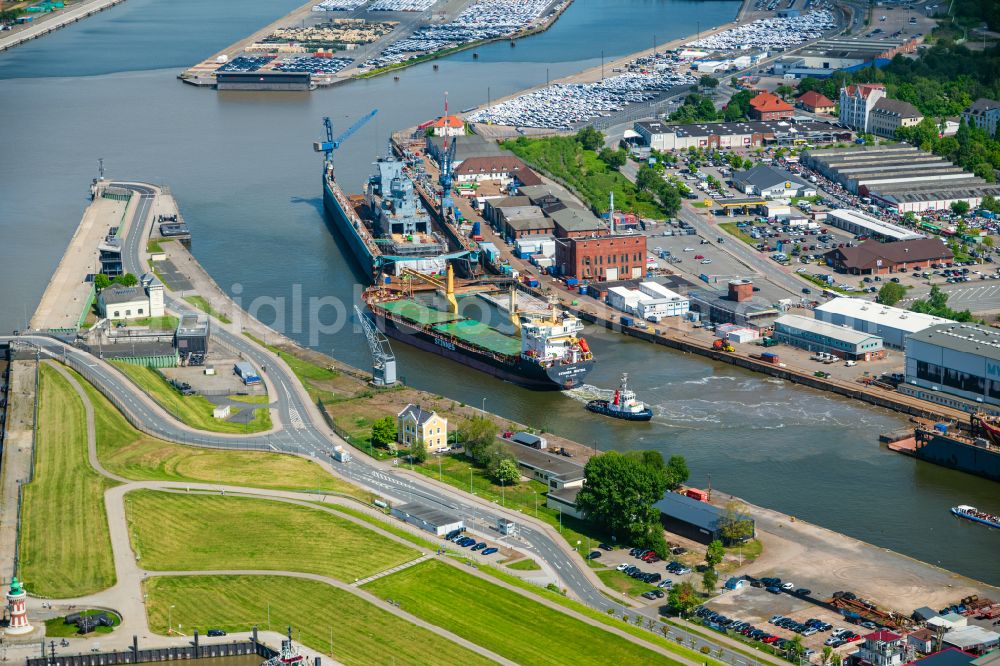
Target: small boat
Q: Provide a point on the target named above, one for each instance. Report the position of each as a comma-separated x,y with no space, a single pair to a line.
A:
623,405
975,515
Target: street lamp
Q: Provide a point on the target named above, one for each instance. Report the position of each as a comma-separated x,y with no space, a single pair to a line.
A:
170,620
484,407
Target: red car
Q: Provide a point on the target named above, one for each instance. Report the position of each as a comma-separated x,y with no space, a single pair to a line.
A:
699,256
769,639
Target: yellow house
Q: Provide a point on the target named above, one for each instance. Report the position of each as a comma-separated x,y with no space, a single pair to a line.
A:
415,425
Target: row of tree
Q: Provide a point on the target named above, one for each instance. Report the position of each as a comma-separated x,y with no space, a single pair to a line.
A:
102,281
700,108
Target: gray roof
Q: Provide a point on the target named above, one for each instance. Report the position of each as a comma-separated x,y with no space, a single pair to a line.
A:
468,146
425,513
720,299
764,177
113,295
897,107
689,510
982,105
572,219
193,324
764,127
555,465
967,338
421,415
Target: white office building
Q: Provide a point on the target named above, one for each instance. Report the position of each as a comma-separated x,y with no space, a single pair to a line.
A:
861,224
651,301
891,324
857,102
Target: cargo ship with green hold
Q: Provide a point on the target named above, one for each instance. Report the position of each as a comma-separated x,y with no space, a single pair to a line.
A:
545,353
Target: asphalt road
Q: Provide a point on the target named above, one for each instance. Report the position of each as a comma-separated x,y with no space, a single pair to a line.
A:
304,432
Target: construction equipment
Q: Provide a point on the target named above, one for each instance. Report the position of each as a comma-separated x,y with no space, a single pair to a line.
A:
383,360
447,169
327,147
723,345
446,286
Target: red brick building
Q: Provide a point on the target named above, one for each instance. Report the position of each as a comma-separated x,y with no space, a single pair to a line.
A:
604,258
768,106
874,258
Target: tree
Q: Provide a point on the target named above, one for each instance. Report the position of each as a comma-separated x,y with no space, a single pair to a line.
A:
734,525
101,281
506,472
618,493
891,293
795,649
714,554
490,455
682,598
590,138
475,433
384,432
826,654
126,280
677,472
613,158
418,452
709,579
936,304
707,81
990,203
960,207
836,659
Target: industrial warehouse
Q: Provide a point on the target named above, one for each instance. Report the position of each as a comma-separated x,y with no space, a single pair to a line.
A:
900,177
891,324
860,224
826,56
961,360
661,136
819,336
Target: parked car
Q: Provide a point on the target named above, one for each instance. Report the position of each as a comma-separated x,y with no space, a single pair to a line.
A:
593,555
490,551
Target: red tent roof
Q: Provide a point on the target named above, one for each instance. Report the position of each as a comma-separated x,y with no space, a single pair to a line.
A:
449,121
883,636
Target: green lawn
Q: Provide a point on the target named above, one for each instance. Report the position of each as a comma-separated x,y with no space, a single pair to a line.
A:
362,633
505,621
526,564
251,399
564,159
65,544
390,527
733,230
202,304
621,582
194,410
125,451
245,533
57,627
455,471
166,323
603,618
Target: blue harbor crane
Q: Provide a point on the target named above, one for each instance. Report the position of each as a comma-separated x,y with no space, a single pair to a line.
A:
383,360
327,147
447,174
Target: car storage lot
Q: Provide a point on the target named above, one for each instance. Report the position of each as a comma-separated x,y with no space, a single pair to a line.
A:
757,606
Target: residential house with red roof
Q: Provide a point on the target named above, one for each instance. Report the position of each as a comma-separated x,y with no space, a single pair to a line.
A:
816,102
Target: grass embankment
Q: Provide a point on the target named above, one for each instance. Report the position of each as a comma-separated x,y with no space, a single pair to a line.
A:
206,307
65,544
610,620
127,452
504,621
244,533
194,410
392,528
622,582
526,564
564,159
58,628
419,59
527,497
362,633
736,232
251,399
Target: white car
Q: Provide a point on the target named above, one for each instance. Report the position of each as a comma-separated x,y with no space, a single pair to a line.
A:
621,567
689,249
788,586
706,261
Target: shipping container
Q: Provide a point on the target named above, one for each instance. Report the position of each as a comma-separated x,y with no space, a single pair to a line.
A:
627,321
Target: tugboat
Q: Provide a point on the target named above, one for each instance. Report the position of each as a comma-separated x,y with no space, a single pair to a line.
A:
623,405
975,515
290,655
